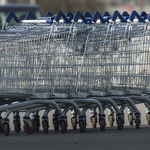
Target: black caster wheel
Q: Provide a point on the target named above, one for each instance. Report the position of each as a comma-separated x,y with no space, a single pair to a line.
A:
6,129
17,126
82,126
137,122
102,124
45,126
56,124
120,123
63,126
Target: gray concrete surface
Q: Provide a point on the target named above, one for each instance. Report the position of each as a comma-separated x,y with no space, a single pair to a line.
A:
93,139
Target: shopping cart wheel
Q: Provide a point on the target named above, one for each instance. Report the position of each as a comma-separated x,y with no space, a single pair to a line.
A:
148,119
17,126
27,129
120,123
1,129
74,122
45,126
130,118
63,126
137,122
111,120
56,124
102,124
6,129
94,121
82,126
37,124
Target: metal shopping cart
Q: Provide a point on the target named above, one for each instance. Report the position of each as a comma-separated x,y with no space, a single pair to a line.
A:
71,62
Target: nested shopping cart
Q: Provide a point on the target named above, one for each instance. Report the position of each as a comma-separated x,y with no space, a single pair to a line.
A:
71,62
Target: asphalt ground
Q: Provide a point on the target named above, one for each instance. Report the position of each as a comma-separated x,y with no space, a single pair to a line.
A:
129,138
93,139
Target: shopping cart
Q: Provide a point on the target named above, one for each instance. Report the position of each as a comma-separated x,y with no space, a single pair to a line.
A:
70,63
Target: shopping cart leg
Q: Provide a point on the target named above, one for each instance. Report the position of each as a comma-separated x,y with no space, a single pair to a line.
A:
16,121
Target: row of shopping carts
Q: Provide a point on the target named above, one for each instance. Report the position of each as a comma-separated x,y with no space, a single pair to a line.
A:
74,62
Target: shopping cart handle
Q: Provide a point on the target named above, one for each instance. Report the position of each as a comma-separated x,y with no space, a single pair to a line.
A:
49,14
60,15
10,16
88,17
125,14
69,14
96,16
106,16
135,14
77,15
117,14
143,14
30,15
87,14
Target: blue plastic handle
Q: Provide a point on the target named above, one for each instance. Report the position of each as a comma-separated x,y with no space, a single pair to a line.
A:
30,15
10,16
96,16
135,14
48,14
69,14
125,14
143,14
106,16
87,14
117,14
60,15
77,15
88,17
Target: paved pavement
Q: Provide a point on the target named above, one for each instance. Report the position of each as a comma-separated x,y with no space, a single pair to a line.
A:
93,139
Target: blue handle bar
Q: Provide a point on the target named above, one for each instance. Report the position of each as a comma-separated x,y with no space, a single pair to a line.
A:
49,14
117,14
59,15
30,15
77,15
10,16
96,16
135,14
